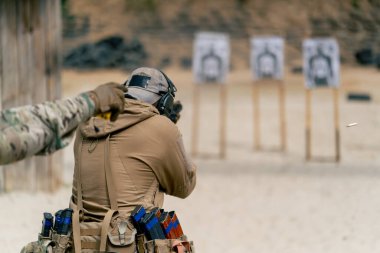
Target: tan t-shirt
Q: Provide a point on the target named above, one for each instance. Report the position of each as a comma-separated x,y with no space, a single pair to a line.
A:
146,158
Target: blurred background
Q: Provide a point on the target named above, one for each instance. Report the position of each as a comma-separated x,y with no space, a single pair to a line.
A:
253,200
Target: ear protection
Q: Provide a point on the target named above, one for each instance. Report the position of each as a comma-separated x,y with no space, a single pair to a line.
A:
165,104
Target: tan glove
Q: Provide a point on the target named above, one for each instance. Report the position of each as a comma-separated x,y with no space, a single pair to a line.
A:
109,97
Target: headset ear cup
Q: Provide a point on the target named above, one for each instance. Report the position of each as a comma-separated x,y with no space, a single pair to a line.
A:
169,105
160,104
165,104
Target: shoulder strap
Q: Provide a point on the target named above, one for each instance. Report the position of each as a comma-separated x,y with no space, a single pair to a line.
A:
111,196
79,205
109,179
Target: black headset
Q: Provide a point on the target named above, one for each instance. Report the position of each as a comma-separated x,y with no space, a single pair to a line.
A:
165,103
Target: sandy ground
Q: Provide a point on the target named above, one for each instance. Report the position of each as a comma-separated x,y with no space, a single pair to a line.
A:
255,201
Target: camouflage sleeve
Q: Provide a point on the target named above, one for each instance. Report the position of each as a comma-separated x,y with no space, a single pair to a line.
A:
41,129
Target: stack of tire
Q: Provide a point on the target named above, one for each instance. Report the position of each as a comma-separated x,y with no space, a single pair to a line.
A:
110,52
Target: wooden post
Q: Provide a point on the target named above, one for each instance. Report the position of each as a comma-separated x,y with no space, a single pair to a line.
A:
54,79
25,169
10,76
49,75
282,115
256,116
30,36
40,78
308,124
336,123
2,31
223,120
195,126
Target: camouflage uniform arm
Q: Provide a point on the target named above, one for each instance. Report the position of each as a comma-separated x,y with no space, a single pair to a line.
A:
41,129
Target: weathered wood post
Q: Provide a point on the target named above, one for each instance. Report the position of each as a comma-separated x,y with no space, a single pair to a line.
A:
30,39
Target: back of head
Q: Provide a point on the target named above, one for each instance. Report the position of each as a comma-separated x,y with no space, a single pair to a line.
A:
152,86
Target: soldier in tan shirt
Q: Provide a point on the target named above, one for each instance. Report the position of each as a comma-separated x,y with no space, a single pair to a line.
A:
134,160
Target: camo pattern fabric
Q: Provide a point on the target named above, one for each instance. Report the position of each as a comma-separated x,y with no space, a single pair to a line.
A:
41,129
37,247
33,247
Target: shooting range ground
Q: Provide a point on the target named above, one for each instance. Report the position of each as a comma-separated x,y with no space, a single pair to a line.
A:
256,201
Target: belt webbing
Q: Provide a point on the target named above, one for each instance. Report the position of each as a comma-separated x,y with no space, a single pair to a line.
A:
111,196
90,231
79,205
109,179
90,245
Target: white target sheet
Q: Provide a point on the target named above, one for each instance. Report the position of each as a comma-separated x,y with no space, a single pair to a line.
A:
321,65
267,57
211,59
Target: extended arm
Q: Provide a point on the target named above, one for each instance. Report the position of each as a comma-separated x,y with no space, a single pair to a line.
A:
44,128
177,176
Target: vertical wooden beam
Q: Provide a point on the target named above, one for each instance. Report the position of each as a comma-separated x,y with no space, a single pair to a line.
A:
336,123
51,28
2,32
38,41
30,38
256,115
282,111
223,120
2,46
23,170
57,161
49,70
40,95
195,126
29,86
10,88
53,48
10,67
308,125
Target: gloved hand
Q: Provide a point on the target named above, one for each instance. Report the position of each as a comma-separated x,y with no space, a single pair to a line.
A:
109,97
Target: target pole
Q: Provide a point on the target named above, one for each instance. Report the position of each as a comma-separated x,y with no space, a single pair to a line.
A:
256,115
308,125
195,127
282,110
336,124
223,121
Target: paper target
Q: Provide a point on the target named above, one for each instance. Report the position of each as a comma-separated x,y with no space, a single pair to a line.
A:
321,62
267,58
211,57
